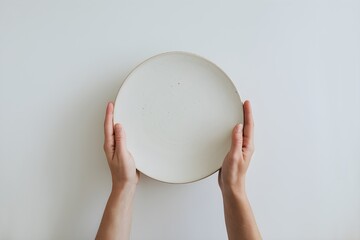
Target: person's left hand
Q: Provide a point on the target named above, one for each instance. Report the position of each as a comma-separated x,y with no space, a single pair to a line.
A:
232,173
120,160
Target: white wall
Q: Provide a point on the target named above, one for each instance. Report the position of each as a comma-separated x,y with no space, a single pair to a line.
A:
298,61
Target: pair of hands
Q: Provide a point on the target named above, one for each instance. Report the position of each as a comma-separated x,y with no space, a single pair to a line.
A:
231,175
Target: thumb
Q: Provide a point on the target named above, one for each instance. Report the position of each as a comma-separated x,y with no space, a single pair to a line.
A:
237,141
120,139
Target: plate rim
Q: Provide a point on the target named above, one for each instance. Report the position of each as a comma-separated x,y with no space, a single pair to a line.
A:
160,55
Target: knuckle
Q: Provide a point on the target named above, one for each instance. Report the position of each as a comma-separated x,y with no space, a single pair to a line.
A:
234,156
237,136
119,137
238,139
106,147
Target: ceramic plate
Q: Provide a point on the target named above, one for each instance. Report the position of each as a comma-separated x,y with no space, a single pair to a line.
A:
178,111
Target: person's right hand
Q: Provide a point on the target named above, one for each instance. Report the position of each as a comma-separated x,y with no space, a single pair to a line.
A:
232,173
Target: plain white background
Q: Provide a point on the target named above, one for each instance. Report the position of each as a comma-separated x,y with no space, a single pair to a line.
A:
297,61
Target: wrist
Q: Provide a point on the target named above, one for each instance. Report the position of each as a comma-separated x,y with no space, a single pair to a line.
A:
123,187
234,191
124,182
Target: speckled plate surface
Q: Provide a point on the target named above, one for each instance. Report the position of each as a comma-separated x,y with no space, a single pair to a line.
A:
178,111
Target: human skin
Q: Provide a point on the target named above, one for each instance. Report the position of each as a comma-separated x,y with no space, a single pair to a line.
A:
116,220
239,219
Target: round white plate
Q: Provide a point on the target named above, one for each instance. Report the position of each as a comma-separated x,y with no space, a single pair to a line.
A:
178,111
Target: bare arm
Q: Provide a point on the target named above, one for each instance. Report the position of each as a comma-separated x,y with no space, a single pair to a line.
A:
116,221
239,218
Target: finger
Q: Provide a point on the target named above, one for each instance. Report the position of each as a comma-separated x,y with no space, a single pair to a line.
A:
109,128
237,141
248,126
120,139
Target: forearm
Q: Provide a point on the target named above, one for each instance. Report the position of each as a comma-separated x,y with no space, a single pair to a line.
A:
116,221
239,218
